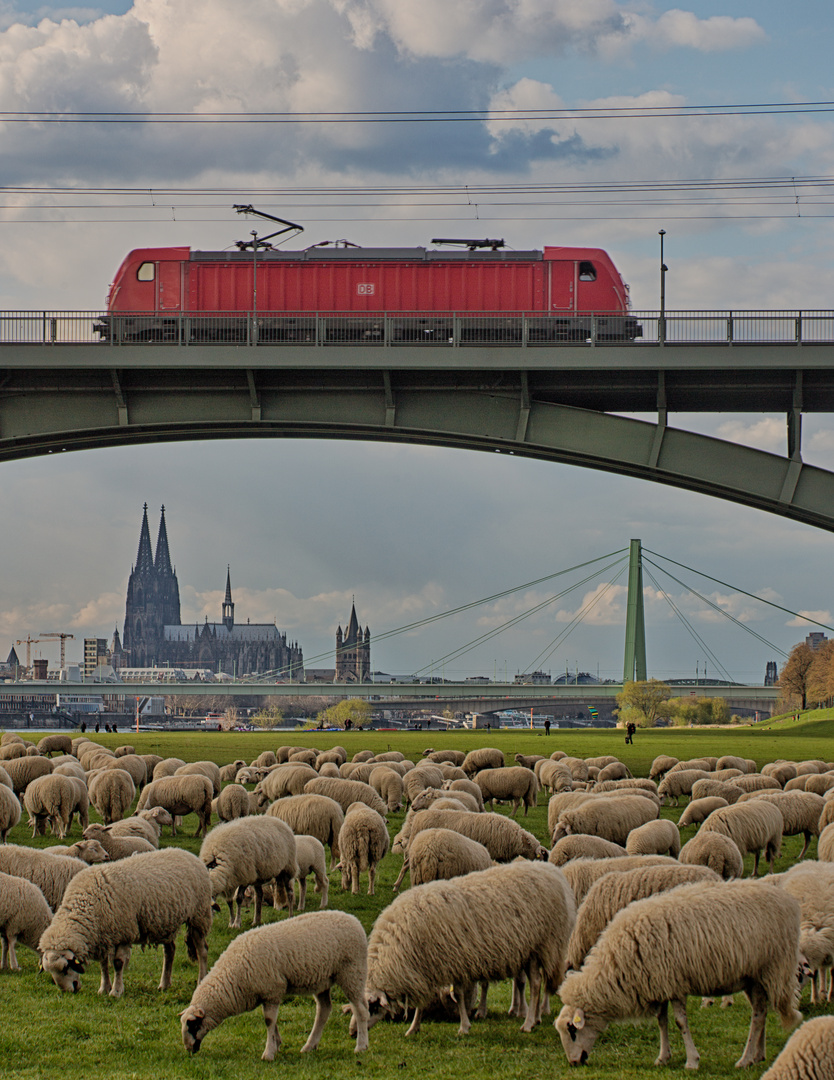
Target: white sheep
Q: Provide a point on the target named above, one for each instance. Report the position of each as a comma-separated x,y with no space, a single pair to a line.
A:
229,772
812,885
659,837
505,922
142,900
453,757
425,776
752,826
756,782
800,810
825,844
553,776
180,795
346,792
515,784
437,796
117,847
138,827
582,874
808,1054
51,873
309,854
88,851
24,915
700,809
700,939
363,843
486,757
112,792
614,770
442,854
722,789
503,838
9,811
23,770
250,851
232,802
716,851
312,815
612,892
50,800
611,817
388,785
677,783
166,767
283,781
661,765
133,765
467,786
306,956
582,846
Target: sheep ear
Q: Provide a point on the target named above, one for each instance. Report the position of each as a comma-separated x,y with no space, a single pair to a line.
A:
578,1020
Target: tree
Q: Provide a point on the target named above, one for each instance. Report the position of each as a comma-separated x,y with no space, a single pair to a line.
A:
355,710
821,675
794,676
687,711
640,702
268,717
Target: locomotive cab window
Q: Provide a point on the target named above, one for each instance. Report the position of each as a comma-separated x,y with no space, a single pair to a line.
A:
147,271
587,271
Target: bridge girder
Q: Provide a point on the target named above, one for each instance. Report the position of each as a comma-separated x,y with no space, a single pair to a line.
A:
57,398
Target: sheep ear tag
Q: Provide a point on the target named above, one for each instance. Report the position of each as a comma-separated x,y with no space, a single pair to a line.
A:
578,1020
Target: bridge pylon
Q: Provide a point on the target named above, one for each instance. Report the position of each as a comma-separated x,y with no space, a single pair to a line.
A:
634,664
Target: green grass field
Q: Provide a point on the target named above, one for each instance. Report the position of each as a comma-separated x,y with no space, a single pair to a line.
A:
47,1034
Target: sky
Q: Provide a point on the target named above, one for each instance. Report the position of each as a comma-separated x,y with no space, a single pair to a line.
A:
411,532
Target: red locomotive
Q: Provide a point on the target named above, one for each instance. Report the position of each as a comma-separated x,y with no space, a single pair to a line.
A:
369,295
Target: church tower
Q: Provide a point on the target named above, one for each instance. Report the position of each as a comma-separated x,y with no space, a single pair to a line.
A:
153,598
353,652
228,606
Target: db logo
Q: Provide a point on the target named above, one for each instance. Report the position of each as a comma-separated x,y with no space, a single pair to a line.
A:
365,289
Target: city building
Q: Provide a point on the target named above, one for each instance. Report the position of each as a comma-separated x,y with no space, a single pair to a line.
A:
815,639
353,652
96,654
154,634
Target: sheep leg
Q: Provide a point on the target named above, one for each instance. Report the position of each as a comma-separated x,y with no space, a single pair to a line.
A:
323,886
755,1049
9,955
460,997
415,1023
121,959
324,1006
663,1023
693,1058
533,1009
403,871
259,904
302,893
285,883
371,880
517,1004
804,849
354,879
359,1023
168,948
231,903
273,1039
105,986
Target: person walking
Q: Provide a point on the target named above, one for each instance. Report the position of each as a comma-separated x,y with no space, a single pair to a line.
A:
630,729
547,727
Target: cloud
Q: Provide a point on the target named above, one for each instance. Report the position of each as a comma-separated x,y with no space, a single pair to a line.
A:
683,29
817,617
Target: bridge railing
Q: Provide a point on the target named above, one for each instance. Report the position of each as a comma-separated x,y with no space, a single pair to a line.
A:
638,329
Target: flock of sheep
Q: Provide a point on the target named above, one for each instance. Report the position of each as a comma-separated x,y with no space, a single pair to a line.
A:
616,917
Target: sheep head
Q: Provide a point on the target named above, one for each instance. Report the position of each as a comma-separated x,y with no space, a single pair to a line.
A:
578,1033
194,1027
64,969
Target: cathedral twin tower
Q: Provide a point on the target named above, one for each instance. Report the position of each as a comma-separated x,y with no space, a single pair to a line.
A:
155,636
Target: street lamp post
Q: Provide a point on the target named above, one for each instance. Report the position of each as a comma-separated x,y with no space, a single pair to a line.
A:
661,326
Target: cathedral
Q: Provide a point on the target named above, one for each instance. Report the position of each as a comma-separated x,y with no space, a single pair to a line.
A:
154,634
353,652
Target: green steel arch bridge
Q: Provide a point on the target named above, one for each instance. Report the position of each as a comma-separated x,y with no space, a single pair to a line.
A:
490,385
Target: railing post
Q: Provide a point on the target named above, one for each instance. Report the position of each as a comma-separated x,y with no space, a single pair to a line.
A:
593,330
730,328
387,329
321,330
455,330
525,329
798,328
661,329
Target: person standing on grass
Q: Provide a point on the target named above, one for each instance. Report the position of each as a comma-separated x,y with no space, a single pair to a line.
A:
630,729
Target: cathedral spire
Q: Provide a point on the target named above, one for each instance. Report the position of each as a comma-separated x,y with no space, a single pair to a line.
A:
162,562
144,558
228,606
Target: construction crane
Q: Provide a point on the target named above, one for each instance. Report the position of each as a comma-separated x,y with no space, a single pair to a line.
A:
28,641
53,637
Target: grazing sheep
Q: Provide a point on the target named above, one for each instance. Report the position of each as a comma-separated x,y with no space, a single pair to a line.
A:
616,770
132,764
229,772
425,776
635,783
754,826
151,762
309,853
487,757
328,768
88,851
529,760
820,783
808,1054
677,783
444,933
250,851
781,771
514,784
142,900
648,956
468,786
286,780
582,846
363,843
180,795
117,847
729,761
68,769
435,796
12,751
360,771
800,812
699,810
564,800
659,837
583,873
55,744
611,817
827,815
503,838
306,956
812,885
442,854
346,792
166,767
336,755
612,892
825,844
9,811
717,852
23,770
24,915
553,776
264,759
232,802
756,782
50,800
721,789
124,751
202,768
51,873
363,755
706,763
137,826
661,765
454,757
303,757
5,779
312,815
388,785
112,792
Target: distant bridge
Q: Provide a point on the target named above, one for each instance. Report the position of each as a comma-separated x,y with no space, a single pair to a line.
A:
492,388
